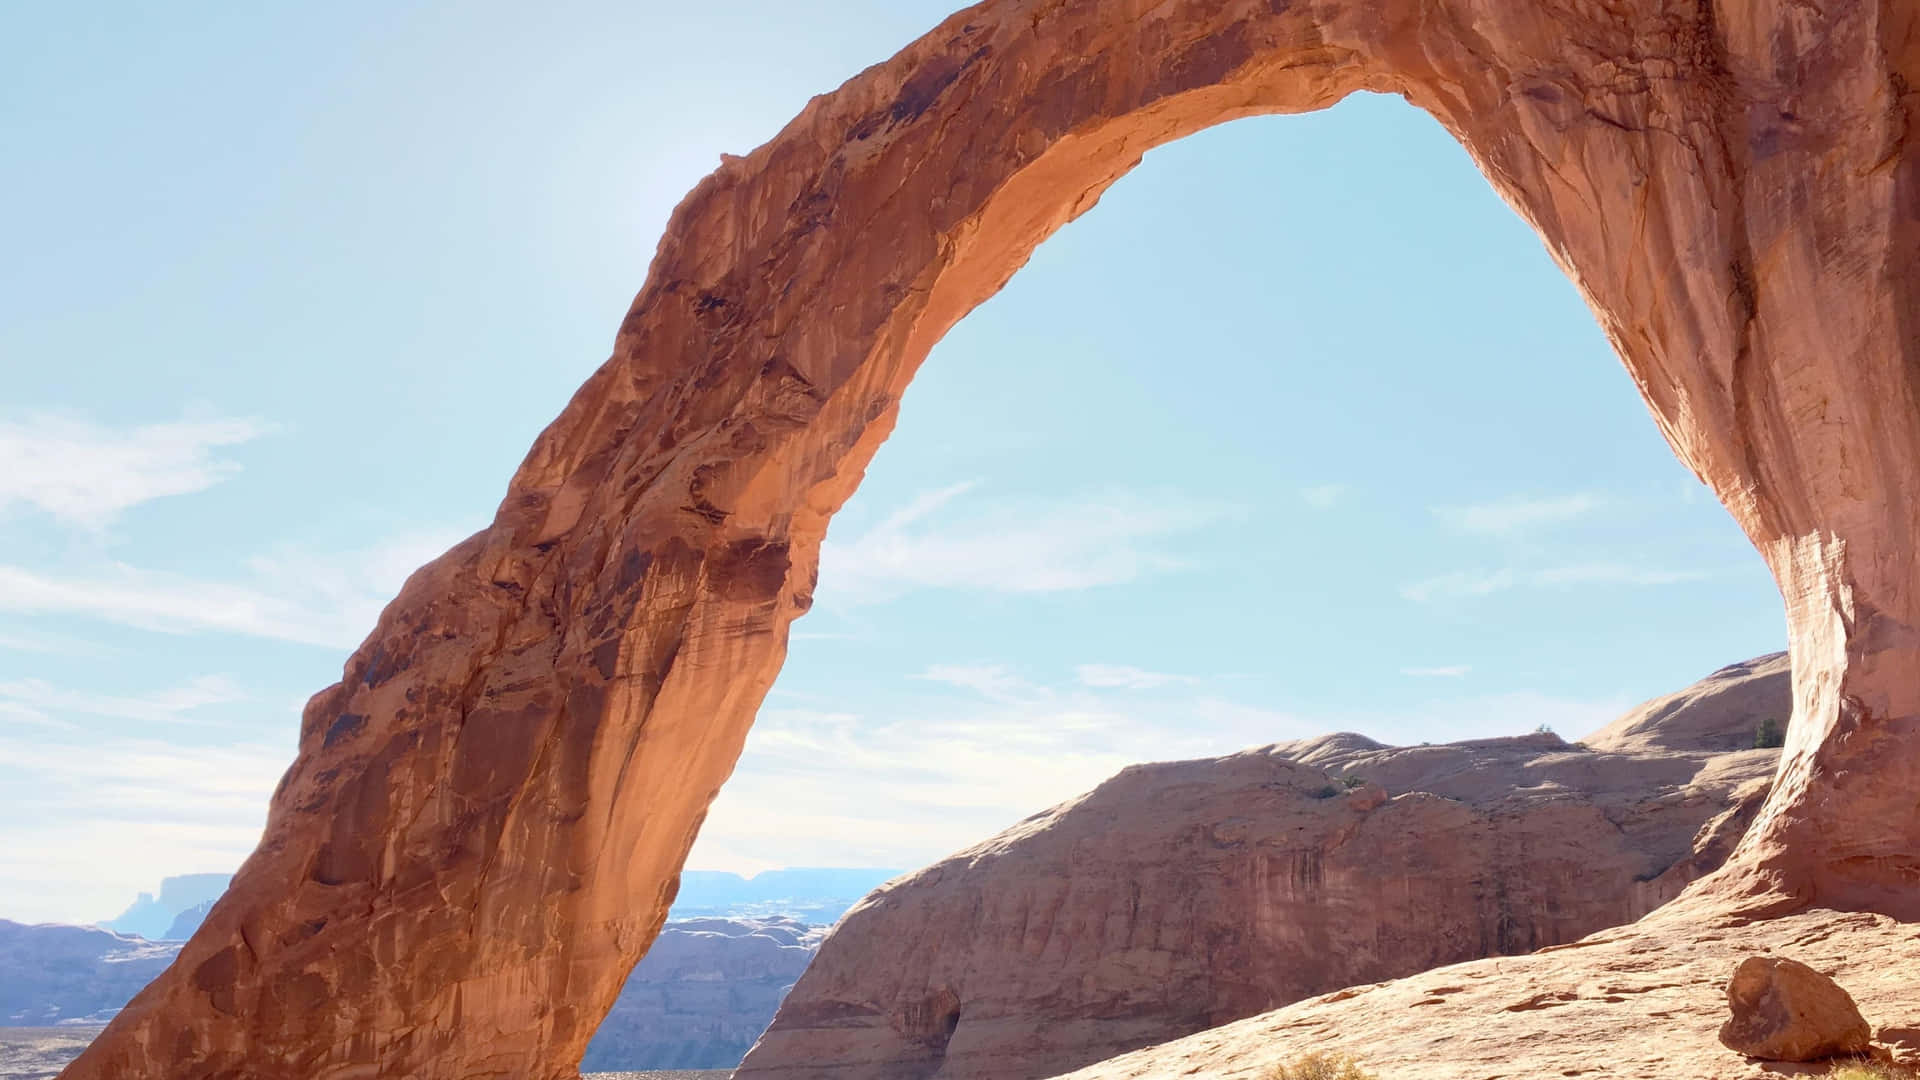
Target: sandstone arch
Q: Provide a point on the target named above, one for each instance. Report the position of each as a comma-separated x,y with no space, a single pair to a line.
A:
483,828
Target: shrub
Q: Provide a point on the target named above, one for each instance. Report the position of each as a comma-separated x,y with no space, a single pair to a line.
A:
1769,735
1320,1066
1352,782
1327,792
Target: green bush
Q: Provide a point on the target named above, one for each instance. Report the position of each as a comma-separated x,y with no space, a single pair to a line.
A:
1320,1066
1768,734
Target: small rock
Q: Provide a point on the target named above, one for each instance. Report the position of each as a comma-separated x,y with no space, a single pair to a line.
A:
1784,1010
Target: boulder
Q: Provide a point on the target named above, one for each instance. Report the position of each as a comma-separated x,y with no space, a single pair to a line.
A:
1784,1010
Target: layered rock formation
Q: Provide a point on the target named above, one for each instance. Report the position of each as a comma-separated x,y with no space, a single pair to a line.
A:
1177,897
703,994
53,974
481,832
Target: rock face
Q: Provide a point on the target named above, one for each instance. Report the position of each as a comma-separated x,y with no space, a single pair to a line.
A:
481,832
69,974
703,993
1784,1010
1177,897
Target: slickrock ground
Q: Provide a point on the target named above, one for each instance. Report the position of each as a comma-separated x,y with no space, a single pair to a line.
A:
1643,1002
1177,897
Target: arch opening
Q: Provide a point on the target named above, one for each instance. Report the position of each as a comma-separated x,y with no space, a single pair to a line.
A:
551,707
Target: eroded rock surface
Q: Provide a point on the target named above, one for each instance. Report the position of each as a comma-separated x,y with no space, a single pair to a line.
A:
1177,897
481,832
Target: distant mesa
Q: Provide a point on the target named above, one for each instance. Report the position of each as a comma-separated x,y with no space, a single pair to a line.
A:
811,894
154,918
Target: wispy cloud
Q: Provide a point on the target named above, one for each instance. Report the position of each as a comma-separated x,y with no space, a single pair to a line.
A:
944,540
919,780
1515,514
93,822
169,706
1467,584
329,600
86,474
1122,677
1323,496
991,681
1454,672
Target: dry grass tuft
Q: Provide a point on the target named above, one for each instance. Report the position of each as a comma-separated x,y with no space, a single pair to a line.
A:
1872,1070
1320,1066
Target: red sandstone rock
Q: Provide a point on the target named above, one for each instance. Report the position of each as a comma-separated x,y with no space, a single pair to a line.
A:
1641,1002
482,829
1176,897
1784,1010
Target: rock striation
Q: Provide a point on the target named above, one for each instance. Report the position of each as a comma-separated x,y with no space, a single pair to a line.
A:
1177,897
481,833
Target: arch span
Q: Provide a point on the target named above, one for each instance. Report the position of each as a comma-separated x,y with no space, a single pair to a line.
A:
483,829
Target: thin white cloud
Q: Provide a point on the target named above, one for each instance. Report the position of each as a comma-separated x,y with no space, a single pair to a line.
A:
162,707
1323,496
992,681
328,600
1122,677
1452,672
1505,517
86,474
95,822
925,778
942,541
918,779
1465,584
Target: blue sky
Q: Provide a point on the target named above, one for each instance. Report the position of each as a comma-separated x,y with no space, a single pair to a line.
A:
1299,430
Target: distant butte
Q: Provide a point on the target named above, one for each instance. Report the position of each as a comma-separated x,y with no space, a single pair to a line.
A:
481,833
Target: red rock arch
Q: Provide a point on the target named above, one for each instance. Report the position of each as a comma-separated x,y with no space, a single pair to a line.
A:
483,828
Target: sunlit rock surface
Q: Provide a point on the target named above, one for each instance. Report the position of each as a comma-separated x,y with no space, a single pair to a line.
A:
1177,897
